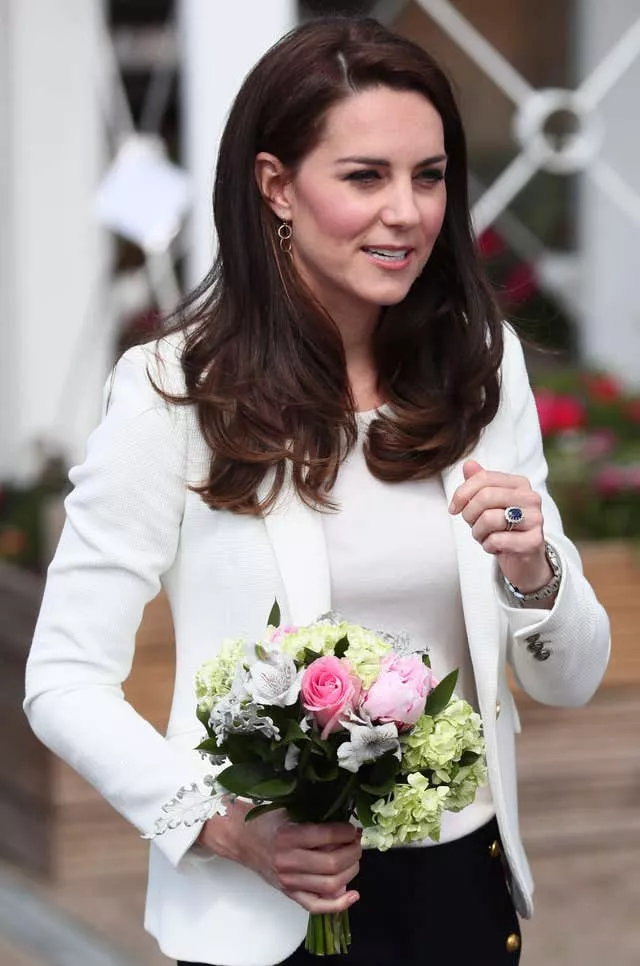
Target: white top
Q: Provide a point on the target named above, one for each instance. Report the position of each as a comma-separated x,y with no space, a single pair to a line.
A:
393,568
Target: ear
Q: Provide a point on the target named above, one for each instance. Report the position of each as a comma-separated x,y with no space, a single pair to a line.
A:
274,183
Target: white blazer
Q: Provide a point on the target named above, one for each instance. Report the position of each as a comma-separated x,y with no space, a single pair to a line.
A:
133,523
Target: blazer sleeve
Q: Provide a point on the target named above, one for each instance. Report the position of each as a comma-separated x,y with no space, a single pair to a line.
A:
121,534
574,635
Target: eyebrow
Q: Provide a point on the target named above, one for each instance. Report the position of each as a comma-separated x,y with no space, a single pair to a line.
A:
383,163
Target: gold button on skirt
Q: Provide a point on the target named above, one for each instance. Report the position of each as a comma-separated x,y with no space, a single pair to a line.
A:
513,943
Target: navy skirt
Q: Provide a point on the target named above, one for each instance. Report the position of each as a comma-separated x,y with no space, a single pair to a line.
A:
445,904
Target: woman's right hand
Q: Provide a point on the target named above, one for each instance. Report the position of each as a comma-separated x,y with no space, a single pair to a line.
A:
310,863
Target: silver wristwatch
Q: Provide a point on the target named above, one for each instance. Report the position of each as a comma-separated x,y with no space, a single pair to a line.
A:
549,589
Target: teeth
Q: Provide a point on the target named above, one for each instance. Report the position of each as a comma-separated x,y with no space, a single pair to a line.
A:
385,253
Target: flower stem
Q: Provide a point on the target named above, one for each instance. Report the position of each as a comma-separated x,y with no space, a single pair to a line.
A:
328,935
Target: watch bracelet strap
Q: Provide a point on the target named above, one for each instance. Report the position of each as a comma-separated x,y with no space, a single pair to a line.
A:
549,588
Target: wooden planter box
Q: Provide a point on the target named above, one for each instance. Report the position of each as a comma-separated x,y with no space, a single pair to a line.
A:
613,569
52,823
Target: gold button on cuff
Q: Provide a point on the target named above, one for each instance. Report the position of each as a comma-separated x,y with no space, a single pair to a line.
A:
513,943
494,849
498,709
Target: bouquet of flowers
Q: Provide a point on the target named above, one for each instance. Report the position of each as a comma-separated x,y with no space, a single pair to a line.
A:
333,722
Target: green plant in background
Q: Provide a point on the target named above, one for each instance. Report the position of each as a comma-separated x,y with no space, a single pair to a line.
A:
26,517
591,431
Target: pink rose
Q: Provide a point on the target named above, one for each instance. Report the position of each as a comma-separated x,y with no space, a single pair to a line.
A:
400,691
329,690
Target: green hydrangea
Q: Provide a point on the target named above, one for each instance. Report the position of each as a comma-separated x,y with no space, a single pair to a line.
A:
411,813
464,784
321,638
364,653
437,743
215,677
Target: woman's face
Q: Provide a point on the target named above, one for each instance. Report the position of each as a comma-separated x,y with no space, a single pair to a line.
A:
367,203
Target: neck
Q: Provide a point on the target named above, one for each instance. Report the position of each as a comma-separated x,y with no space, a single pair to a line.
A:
357,338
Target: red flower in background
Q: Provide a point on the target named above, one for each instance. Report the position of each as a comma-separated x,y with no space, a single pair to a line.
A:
490,243
558,413
603,388
545,402
521,283
569,413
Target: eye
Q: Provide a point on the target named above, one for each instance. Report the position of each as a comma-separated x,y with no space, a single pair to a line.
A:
363,176
431,175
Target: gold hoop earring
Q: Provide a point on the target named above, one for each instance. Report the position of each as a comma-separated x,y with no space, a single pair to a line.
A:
285,234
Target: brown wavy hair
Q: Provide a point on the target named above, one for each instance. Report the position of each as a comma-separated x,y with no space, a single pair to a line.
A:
264,363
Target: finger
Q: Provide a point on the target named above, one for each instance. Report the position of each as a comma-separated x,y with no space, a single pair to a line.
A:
309,835
317,861
328,886
498,498
470,468
483,478
525,544
317,905
493,521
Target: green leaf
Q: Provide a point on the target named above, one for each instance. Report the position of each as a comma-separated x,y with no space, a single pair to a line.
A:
243,776
242,748
379,791
274,615
321,770
468,757
363,809
341,647
261,809
342,797
273,788
310,656
426,660
210,745
381,771
325,746
293,733
441,695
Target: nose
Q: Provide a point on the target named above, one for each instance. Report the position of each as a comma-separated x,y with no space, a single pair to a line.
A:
400,209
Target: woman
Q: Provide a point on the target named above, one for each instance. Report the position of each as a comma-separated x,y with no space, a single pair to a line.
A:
339,418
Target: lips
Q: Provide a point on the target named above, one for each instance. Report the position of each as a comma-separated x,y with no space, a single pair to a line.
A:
388,253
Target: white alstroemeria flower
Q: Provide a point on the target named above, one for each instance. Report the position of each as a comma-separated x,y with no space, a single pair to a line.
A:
367,743
239,684
292,758
274,680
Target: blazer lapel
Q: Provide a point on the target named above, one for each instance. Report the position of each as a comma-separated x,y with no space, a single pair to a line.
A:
475,569
297,538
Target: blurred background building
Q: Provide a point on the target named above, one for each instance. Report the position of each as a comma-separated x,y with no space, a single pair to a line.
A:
110,114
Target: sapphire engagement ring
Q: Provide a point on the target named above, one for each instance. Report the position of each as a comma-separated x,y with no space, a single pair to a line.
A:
513,515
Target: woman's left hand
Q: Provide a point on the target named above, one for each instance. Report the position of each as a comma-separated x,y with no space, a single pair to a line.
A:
482,500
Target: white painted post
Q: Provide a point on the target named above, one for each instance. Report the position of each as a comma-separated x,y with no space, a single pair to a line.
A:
220,42
609,237
54,340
